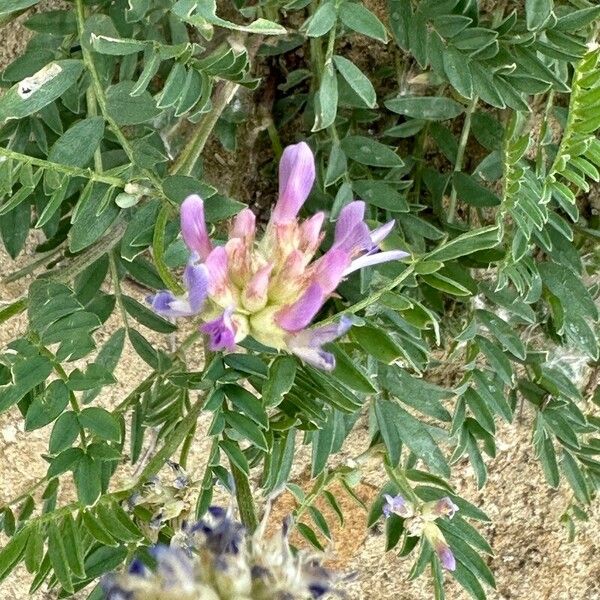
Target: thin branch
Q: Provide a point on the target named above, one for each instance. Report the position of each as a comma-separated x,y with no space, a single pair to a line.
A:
66,169
460,154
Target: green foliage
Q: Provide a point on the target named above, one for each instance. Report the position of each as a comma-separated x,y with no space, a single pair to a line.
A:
476,130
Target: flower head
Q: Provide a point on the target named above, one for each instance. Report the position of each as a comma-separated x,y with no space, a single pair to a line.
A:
215,559
420,521
273,288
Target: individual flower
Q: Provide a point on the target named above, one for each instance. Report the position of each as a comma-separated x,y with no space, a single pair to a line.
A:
273,287
420,521
215,559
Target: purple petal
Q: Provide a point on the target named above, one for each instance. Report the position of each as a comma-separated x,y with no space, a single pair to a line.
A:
296,178
193,226
396,505
174,566
307,344
446,557
380,233
221,332
329,333
351,215
298,315
329,270
374,259
444,507
351,232
167,304
196,282
315,357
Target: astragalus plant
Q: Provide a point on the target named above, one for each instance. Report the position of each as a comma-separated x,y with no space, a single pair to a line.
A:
333,199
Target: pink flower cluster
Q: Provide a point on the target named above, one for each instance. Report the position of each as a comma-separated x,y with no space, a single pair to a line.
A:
273,287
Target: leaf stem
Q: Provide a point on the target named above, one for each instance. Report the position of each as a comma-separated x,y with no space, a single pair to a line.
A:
24,494
245,500
186,162
374,297
399,478
66,169
460,154
158,250
114,273
176,437
33,265
98,92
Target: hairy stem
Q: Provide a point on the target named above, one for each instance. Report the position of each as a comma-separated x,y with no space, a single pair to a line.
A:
186,162
98,92
114,273
66,169
354,308
245,500
460,154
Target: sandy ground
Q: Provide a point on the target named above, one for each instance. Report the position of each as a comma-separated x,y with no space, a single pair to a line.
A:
532,561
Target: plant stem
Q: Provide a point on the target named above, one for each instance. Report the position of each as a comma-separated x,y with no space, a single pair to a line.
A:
92,109
114,273
186,162
67,170
399,478
158,250
98,92
64,377
14,308
464,138
32,266
176,437
244,498
24,494
187,443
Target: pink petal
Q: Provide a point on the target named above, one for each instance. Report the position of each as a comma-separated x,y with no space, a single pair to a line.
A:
244,225
255,294
298,315
330,268
310,232
296,178
193,226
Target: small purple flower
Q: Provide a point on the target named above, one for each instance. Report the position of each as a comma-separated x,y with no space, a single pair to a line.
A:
221,331
175,567
396,505
296,178
220,533
444,507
